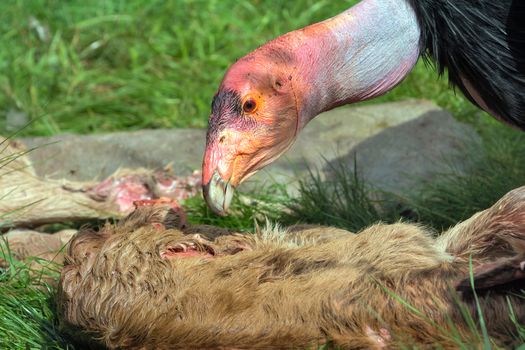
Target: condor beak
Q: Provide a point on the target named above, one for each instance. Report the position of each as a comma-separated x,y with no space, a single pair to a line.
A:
218,194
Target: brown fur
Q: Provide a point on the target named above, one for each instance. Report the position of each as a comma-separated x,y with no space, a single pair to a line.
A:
127,287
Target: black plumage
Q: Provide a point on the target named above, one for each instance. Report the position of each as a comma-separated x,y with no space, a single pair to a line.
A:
225,108
482,41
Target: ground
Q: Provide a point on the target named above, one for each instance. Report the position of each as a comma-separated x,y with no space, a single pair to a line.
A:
106,65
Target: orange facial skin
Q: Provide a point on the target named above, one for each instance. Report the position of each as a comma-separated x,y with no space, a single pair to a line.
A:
254,120
258,111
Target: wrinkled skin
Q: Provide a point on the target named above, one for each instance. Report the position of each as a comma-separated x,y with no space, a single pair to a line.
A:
144,284
253,121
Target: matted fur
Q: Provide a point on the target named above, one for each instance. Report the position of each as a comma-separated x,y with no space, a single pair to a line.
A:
120,285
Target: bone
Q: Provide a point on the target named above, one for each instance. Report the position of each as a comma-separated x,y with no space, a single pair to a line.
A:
30,201
127,287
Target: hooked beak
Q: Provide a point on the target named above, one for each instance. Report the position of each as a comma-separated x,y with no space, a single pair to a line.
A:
218,175
228,164
218,194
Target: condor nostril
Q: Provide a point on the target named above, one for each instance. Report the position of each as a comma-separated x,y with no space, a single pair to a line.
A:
221,140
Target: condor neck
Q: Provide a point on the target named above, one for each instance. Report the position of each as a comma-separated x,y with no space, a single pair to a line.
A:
362,53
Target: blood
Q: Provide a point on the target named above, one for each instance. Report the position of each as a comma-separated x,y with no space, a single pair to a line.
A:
187,253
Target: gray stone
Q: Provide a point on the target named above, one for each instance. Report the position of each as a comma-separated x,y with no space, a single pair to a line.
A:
400,158
396,144
92,157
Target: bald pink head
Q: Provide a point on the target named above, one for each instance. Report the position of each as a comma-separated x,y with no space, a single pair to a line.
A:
268,96
253,120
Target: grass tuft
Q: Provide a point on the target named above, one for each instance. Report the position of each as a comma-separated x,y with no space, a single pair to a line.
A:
27,310
496,166
344,200
482,324
246,211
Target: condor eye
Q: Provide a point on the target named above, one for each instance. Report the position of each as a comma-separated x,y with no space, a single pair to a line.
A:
249,106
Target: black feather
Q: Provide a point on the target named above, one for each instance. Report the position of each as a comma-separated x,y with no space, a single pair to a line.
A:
225,107
226,101
226,112
482,41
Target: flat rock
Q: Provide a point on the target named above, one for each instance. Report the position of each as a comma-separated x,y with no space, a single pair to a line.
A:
395,144
94,157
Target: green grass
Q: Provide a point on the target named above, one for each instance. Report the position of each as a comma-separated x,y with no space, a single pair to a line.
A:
106,65
497,167
246,212
27,311
345,200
